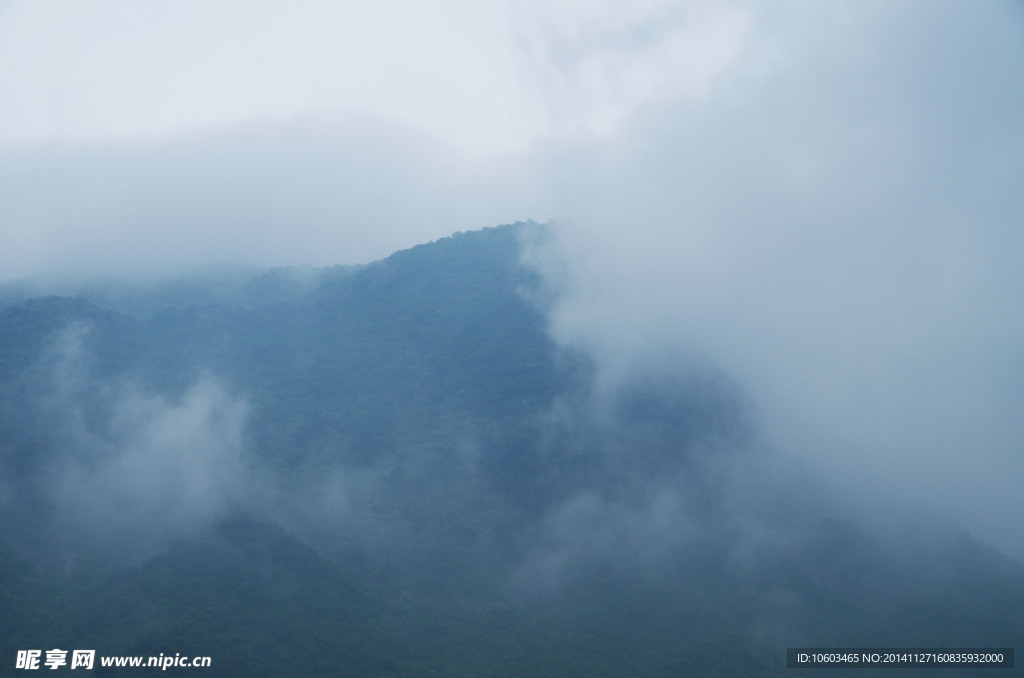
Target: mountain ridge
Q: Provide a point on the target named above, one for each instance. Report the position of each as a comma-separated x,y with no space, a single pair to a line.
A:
403,458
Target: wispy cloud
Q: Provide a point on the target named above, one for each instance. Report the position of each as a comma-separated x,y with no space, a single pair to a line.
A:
835,225
822,199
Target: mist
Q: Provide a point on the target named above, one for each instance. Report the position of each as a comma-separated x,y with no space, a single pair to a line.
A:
822,203
670,327
119,469
169,469
314,191
835,225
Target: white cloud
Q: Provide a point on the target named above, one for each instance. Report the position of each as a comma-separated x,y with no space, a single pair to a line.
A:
109,69
824,199
484,77
144,137
166,469
837,230
595,66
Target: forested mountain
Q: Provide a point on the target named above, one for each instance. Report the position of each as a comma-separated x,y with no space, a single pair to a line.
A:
392,470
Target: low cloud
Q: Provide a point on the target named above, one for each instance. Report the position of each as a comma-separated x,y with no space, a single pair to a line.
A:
321,191
117,468
833,224
163,470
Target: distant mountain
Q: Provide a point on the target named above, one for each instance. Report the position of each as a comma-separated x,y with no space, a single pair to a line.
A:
392,470
245,286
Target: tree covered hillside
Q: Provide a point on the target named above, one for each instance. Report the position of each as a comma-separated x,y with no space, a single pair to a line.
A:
393,470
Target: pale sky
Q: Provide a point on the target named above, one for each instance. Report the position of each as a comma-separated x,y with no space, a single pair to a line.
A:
824,198
485,77
109,108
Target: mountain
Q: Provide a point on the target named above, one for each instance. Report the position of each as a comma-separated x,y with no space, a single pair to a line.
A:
392,470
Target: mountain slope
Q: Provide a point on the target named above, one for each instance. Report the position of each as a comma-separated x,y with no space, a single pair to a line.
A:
399,473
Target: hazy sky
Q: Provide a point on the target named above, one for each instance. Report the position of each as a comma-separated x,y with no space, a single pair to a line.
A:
142,135
825,198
